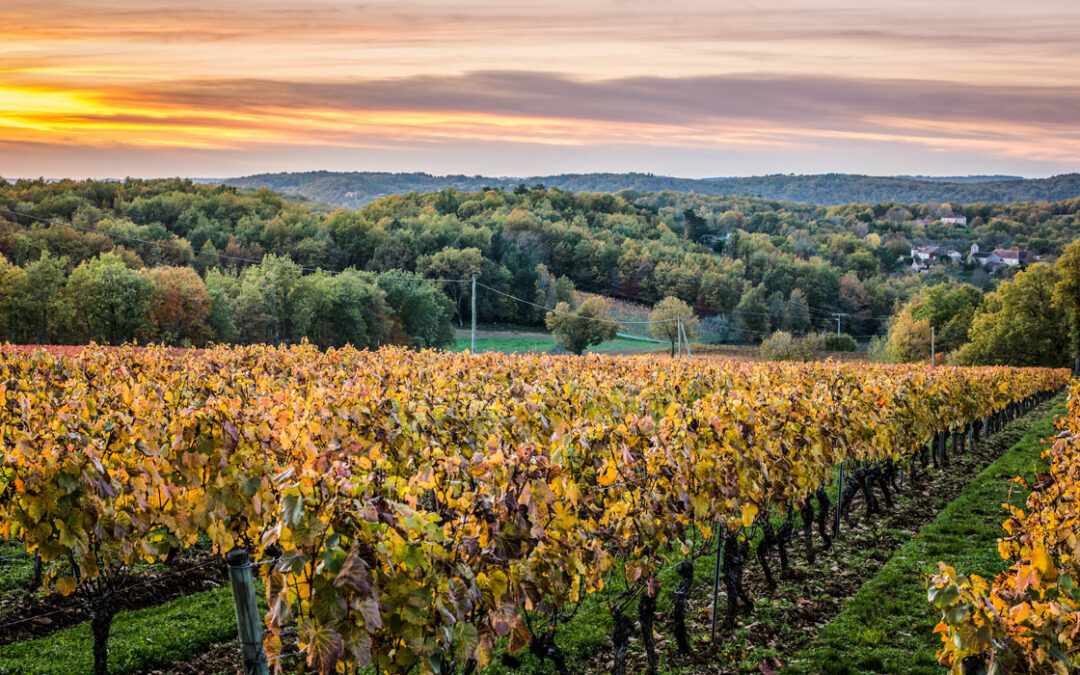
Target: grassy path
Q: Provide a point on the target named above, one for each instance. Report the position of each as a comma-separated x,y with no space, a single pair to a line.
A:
887,627
140,640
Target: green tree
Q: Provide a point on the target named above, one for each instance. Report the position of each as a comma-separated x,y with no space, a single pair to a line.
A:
112,300
666,315
454,265
42,301
332,310
752,314
421,315
263,305
223,289
584,327
797,313
1067,294
12,280
549,291
950,308
945,309
1020,324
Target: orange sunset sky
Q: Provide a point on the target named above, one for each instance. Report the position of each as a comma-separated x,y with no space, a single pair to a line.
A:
689,88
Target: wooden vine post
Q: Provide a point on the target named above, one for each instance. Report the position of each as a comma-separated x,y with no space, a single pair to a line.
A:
248,621
839,501
716,577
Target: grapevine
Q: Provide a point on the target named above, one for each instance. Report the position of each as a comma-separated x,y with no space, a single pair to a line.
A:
422,505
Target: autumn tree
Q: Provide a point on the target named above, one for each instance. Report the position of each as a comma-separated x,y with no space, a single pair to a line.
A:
1067,294
580,328
179,306
1020,324
665,317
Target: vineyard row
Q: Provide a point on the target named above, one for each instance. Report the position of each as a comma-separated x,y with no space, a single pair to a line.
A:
422,505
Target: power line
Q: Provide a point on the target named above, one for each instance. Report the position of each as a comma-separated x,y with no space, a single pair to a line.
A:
571,314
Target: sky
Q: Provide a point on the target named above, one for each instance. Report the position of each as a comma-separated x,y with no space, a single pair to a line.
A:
115,88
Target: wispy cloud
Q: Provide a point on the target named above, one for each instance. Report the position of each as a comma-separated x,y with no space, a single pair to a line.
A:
791,79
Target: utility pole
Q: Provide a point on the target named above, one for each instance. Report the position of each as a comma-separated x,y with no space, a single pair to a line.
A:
683,337
837,315
472,342
933,356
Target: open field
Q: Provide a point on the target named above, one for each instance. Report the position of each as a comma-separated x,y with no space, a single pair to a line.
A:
510,339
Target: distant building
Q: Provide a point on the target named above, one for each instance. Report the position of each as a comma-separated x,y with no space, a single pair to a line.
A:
1000,257
923,256
924,253
954,219
1014,257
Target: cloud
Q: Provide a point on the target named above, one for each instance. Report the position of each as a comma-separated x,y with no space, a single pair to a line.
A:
986,78
814,101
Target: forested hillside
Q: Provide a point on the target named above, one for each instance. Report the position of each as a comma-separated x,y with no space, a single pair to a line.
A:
353,189
174,260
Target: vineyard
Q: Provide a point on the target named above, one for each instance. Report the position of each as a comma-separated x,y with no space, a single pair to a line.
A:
433,512
1027,619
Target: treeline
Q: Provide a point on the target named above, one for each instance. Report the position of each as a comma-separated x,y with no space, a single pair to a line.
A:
113,298
1032,319
747,266
354,189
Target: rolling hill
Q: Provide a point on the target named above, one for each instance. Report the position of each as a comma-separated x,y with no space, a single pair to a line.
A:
353,189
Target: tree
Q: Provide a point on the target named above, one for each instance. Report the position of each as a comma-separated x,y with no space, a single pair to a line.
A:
909,338
12,279
666,315
332,310
549,291
113,301
753,314
179,306
455,265
222,289
1020,324
44,306
421,315
949,308
263,305
946,308
584,327
1067,294
797,313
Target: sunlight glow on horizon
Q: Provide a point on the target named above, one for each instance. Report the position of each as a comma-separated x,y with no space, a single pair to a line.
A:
398,78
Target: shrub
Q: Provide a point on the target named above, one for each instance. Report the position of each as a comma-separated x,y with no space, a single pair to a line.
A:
780,346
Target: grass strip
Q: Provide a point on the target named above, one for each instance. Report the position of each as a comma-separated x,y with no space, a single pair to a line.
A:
144,639
887,627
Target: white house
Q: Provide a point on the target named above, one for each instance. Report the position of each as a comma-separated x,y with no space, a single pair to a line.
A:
954,219
924,255
1010,256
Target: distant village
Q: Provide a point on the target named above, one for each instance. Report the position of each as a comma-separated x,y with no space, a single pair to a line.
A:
924,258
